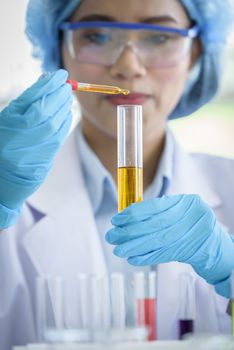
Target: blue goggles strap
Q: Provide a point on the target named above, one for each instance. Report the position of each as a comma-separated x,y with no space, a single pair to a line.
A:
192,32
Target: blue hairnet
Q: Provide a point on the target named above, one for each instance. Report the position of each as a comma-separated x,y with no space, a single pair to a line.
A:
214,17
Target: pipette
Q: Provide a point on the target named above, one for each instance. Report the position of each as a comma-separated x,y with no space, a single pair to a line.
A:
104,89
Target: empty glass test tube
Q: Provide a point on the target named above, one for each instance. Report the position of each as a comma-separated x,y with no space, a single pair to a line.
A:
130,164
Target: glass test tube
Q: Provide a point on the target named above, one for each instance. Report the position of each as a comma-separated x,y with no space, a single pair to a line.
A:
50,309
150,306
118,301
145,294
40,309
101,321
62,308
84,309
130,167
186,304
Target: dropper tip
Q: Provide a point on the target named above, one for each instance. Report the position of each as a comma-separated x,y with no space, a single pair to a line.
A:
125,92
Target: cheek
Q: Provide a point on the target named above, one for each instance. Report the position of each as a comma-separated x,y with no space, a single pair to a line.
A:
89,73
168,88
172,82
89,102
93,75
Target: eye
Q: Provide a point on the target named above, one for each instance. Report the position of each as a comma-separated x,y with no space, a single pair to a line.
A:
159,38
97,37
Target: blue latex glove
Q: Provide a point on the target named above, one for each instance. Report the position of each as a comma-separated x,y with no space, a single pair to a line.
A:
174,228
32,130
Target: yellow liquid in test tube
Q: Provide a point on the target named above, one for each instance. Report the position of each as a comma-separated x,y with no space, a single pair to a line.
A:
130,186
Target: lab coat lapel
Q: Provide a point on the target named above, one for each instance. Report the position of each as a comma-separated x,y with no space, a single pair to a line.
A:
65,241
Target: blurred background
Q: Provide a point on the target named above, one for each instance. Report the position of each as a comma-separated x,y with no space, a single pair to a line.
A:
211,130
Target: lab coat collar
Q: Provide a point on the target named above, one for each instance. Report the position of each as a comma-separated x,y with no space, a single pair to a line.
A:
190,177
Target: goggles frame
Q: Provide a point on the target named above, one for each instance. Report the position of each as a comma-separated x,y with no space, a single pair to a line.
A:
191,32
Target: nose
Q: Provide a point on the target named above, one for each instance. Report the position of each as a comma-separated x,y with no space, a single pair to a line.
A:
128,66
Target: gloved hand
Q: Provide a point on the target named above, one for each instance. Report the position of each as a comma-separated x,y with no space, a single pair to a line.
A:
174,228
32,130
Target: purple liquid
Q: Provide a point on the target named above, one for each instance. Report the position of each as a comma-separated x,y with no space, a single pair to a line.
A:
185,326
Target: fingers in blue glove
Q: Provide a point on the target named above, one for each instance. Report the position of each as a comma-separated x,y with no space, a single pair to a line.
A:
164,230
140,211
128,232
46,85
56,108
196,238
158,256
45,108
43,87
44,142
161,217
32,130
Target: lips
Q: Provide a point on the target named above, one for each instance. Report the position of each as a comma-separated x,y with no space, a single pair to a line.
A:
134,98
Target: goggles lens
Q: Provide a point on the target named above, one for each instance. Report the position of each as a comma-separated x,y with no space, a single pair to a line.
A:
103,45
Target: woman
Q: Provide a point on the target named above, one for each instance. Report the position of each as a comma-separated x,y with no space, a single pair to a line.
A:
61,228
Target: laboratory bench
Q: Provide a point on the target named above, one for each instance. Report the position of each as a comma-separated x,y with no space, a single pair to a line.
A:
203,343
157,345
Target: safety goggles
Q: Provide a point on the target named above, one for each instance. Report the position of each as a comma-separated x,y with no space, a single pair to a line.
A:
102,43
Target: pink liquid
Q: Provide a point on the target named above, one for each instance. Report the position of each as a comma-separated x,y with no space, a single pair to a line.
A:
146,311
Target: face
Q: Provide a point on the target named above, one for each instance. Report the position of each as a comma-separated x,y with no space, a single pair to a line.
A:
157,89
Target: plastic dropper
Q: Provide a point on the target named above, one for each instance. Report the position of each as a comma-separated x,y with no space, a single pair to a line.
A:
104,89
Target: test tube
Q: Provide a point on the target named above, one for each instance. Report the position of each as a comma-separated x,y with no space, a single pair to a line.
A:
40,308
139,287
130,167
50,309
150,306
186,304
145,294
58,301
101,320
84,308
118,301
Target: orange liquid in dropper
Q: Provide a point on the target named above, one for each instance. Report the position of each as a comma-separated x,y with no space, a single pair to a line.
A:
104,89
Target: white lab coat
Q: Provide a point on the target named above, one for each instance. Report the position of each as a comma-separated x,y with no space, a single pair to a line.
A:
65,242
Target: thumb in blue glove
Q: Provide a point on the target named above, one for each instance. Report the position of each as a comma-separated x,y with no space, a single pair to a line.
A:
174,228
32,130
